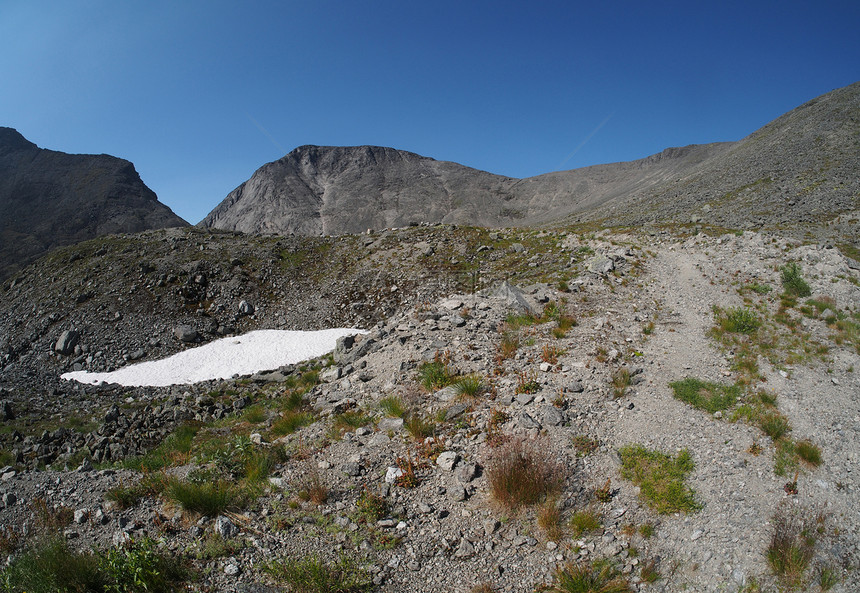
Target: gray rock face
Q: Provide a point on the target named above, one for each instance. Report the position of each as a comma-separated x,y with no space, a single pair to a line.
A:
50,199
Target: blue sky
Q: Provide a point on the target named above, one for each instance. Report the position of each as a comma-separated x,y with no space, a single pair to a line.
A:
199,94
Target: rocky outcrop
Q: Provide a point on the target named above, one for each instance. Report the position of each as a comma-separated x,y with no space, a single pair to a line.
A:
50,199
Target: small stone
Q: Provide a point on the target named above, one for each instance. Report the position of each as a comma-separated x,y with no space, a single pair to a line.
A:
457,493
465,549
9,499
392,473
545,367
225,527
390,424
351,468
232,569
696,535
81,516
466,472
447,460
490,526
576,387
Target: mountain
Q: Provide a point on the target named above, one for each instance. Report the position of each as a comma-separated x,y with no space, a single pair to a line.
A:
51,198
796,171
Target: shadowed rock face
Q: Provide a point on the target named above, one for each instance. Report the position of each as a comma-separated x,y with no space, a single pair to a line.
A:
790,172
50,198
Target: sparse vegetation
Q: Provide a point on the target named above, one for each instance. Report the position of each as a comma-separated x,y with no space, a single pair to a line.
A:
738,320
210,498
792,544
621,380
436,374
393,406
470,386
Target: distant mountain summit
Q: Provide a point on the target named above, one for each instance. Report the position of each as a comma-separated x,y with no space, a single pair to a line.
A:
51,198
800,169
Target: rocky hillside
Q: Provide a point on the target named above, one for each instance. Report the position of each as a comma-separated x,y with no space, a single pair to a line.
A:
628,362
51,198
799,172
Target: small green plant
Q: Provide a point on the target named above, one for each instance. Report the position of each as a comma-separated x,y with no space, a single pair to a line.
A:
254,415
521,472
549,519
392,406
584,445
173,450
139,566
215,546
127,496
290,421
649,572
793,282
774,425
584,521
646,530
738,320
313,575
527,383
660,478
597,577
711,397
604,493
419,427
436,374
370,507
828,577
349,420
758,288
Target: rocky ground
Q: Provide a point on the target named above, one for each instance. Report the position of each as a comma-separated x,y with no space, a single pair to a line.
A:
643,306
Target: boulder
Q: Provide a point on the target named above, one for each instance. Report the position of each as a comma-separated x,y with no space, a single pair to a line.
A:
66,342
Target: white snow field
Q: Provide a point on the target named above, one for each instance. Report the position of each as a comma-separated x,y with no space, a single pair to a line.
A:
222,359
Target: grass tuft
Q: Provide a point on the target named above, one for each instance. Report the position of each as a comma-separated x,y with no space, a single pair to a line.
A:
597,577
206,498
737,320
584,521
522,472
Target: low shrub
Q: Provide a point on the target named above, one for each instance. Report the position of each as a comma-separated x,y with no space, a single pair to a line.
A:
793,282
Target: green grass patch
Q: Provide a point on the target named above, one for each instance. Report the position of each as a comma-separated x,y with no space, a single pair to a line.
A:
599,576
51,566
470,386
290,421
704,395
210,498
436,374
809,452
660,478
313,575
393,406
584,521
172,451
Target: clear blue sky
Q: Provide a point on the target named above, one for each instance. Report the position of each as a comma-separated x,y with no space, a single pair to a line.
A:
199,94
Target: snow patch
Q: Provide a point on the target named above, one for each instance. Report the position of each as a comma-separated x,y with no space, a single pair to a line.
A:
222,359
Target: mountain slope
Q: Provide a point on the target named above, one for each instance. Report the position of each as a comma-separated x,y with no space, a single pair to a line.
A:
52,198
799,170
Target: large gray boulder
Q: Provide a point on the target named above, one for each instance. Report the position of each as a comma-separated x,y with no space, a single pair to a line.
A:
66,342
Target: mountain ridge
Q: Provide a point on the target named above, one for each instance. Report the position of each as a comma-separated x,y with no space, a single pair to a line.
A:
791,172
52,198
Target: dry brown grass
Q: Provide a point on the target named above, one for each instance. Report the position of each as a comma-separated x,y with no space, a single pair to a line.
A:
523,472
